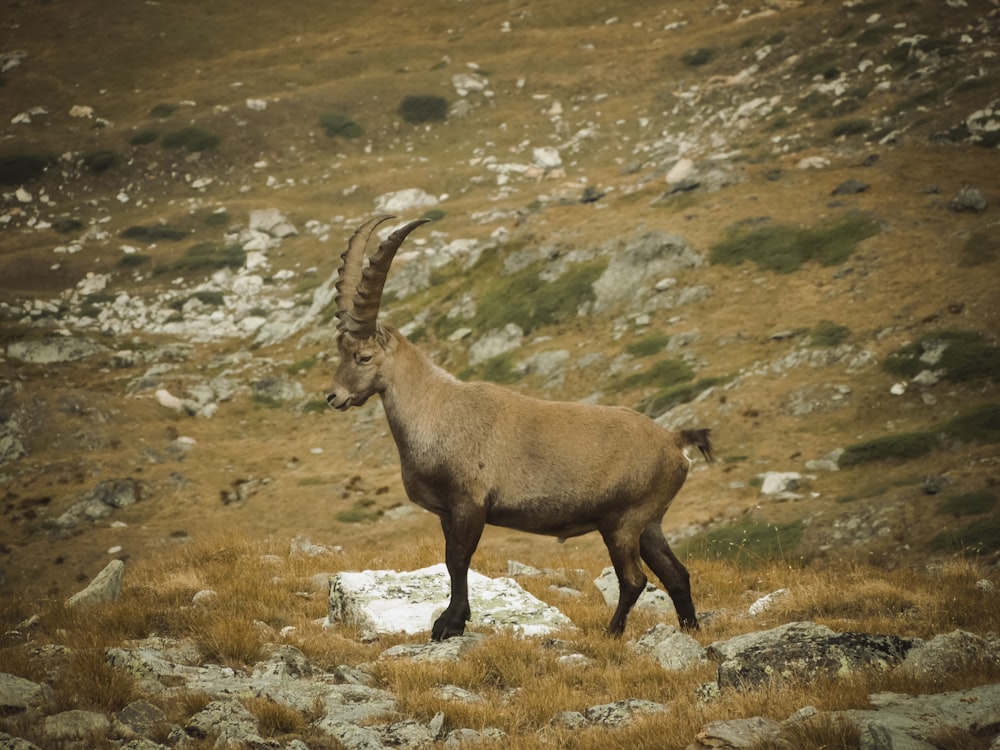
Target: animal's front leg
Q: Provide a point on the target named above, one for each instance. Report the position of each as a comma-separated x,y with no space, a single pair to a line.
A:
462,530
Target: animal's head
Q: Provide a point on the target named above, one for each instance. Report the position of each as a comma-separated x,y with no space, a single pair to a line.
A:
363,344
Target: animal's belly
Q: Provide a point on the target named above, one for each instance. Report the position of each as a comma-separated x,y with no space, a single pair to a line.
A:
562,525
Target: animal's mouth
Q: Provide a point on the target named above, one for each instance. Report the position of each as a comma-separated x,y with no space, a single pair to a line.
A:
346,403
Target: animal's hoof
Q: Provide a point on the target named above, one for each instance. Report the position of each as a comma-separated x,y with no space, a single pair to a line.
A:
442,631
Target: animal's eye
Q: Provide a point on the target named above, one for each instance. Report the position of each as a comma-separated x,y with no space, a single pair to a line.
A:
364,359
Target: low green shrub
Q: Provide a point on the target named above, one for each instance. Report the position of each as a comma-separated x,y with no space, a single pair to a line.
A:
966,356
695,58
301,366
665,373
968,504
338,125
980,424
648,345
907,445
162,111
785,249
499,369
851,127
980,248
191,138
144,137
16,169
133,260
525,299
155,233
207,297
668,398
826,333
207,256
423,108
99,161
981,537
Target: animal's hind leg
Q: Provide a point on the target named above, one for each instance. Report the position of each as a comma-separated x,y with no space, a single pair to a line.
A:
624,554
672,574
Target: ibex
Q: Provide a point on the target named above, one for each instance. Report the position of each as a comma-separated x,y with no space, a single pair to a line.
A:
475,453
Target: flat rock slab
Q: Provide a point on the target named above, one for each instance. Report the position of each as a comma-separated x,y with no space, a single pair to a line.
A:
388,601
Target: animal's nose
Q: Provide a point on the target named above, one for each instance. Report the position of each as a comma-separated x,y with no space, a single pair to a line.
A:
330,398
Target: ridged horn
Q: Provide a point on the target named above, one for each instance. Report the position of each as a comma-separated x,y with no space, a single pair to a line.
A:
351,263
361,320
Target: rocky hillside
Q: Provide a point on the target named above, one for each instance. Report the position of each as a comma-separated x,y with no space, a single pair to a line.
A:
777,220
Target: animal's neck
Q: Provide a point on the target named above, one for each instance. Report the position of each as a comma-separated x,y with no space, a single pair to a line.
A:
414,396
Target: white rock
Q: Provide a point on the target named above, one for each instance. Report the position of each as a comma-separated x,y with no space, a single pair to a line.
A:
681,170
813,162
78,110
257,105
465,83
546,157
651,599
898,389
764,603
402,201
387,601
780,482
167,399
23,195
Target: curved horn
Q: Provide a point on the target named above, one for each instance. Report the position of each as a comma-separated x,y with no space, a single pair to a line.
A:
360,321
350,270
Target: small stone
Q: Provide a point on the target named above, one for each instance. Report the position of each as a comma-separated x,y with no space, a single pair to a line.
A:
851,187
969,198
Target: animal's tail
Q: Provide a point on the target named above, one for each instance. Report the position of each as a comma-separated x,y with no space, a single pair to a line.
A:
699,439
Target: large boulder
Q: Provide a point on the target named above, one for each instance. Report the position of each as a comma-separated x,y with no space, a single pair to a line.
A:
803,650
645,259
387,601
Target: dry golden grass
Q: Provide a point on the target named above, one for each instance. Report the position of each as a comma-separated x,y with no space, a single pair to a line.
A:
261,589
